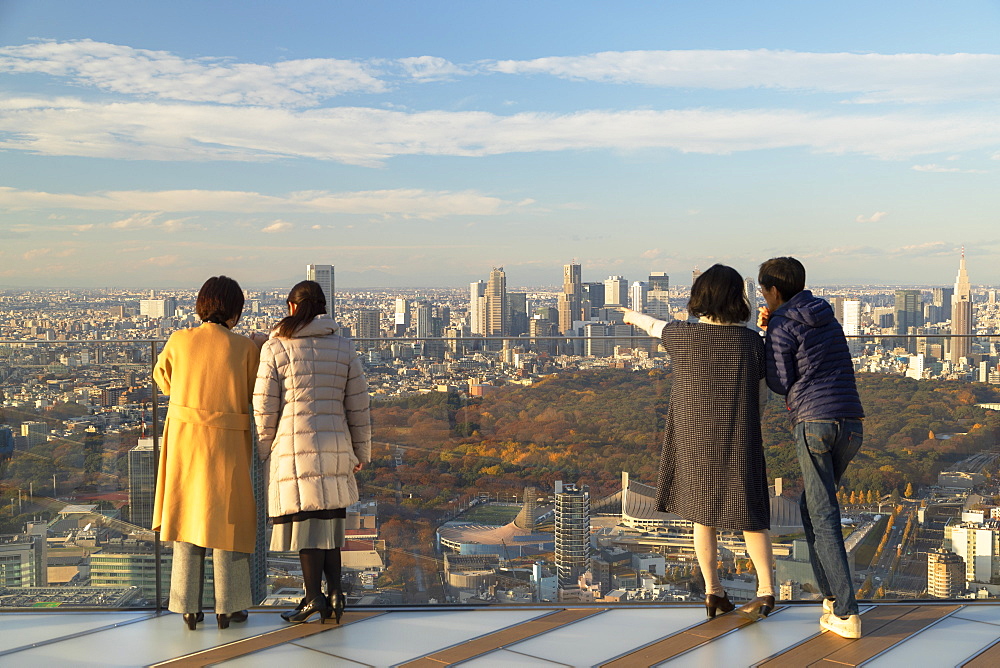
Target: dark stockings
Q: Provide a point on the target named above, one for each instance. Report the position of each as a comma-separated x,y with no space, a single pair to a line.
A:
316,563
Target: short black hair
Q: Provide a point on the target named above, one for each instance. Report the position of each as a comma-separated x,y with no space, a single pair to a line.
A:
219,300
785,273
720,294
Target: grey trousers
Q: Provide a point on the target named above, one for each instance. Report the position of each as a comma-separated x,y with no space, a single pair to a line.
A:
187,580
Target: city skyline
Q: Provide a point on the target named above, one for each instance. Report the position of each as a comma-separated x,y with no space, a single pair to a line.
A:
415,145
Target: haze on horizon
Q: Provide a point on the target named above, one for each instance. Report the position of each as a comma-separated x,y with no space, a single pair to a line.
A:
420,144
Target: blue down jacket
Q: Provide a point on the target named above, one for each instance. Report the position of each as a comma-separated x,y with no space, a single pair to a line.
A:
808,361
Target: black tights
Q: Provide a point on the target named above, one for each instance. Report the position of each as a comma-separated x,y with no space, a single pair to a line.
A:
316,563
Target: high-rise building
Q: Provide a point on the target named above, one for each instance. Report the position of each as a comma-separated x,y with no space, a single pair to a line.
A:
141,483
22,560
593,298
945,574
158,308
477,308
616,291
35,433
658,295
401,317
961,314
939,309
517,306
324,275
571,299
497,313
6,442
424,324
369,327
637,296
909,315
572,533
852,324
978,545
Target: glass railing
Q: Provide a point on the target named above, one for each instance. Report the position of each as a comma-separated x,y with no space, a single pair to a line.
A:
506,469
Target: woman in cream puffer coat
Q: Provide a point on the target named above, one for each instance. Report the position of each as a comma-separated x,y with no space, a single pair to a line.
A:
311,410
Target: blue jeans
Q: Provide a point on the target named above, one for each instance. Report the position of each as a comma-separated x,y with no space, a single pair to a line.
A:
825,448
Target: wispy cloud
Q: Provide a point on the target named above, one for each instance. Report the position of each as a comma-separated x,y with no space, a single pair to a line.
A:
945,170
163,75
151,205
366,136
277,226
874,218
430,68
874,77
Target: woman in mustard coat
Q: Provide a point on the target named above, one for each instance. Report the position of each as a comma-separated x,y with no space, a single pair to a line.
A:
204,494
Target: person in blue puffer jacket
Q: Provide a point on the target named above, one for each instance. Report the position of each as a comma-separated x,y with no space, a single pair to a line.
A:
809,363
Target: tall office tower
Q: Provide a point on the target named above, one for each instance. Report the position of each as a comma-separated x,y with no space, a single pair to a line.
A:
961,313
401,317
615,291
541,327
945,574
597,343
941,303
324,275
6,442
424,317
35,433
158,308
909,315
851,322
369,327
838,308
477,308
593,297
658,295
517,306
497,314
141,483
637,296
978,545
572,533
571,299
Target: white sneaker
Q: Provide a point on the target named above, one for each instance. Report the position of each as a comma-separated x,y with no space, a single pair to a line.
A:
848,627
827,605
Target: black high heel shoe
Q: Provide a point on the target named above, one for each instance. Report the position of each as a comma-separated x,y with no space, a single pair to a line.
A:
192,619
715,604
239,617
758,608
319,604
288,614
337,602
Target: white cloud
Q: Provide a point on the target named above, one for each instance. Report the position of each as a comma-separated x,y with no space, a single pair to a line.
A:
874,218
163,75
366,136
651,254
430,68
407,203
277,226
943,169
876,77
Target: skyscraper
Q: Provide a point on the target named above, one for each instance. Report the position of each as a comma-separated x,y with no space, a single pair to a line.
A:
616,291
961,313
909,315
572,533
945,574
637,296
517,306
939,310
571,299
477,307
497,313
424,316
369,326
141,483
852,324
658,295
323,274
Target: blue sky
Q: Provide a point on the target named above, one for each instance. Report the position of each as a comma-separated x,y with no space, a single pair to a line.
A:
421,143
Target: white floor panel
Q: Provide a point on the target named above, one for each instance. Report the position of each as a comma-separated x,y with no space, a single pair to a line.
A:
290,655
502,658
946,643
400,636
989,614
608,634
26,629
142,643
755,642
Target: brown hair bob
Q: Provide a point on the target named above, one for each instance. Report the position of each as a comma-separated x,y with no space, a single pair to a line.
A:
219,300
720,294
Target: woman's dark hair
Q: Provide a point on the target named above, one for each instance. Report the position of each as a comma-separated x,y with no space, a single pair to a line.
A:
719,293
310,302
219,300
785,273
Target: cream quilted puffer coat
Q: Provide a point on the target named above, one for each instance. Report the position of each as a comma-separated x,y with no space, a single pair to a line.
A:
310,404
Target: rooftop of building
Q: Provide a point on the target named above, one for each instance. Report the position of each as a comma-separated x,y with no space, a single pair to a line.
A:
920,633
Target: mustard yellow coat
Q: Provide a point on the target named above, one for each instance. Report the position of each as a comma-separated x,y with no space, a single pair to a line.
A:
204,495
